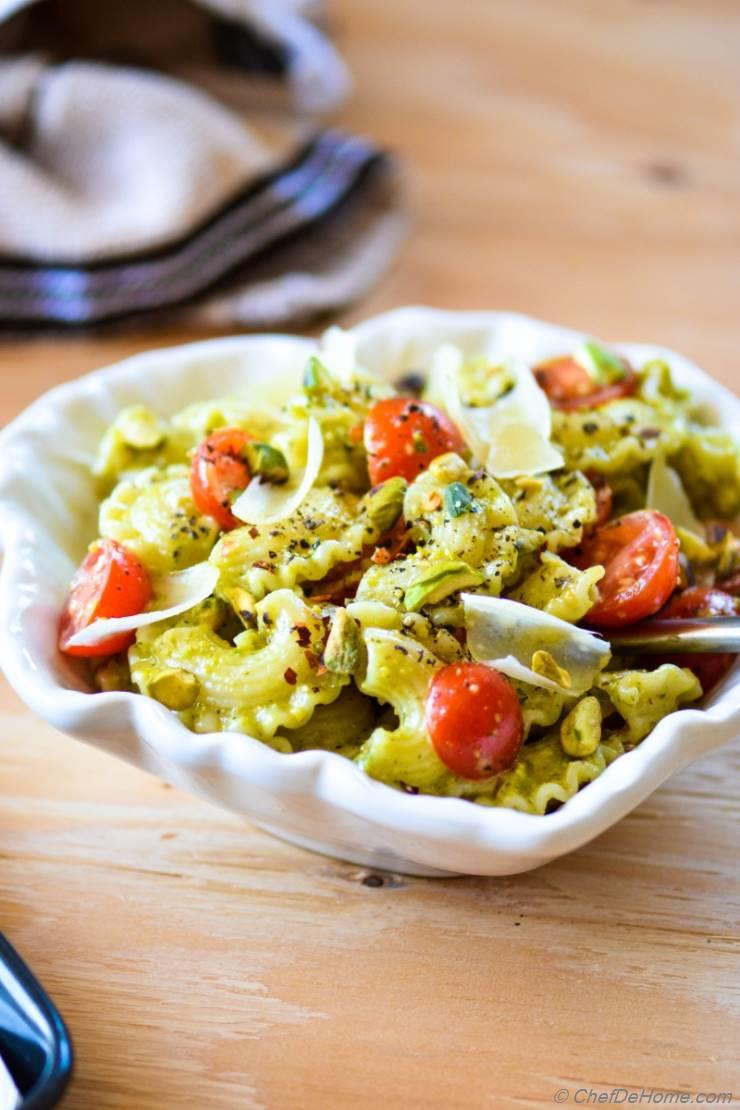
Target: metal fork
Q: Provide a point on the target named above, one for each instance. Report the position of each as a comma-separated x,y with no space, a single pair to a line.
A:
690,634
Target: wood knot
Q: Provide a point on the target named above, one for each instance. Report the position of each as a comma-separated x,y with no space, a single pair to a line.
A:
373,880
667,174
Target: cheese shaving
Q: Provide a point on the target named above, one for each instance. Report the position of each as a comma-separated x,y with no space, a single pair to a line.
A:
263,503
665,493
173,594
515,639
517,450
511,437
338,353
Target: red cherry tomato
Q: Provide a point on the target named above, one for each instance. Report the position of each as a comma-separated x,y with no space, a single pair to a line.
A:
219,471
402,436
474,720
702,601
569,385
639,553
111,582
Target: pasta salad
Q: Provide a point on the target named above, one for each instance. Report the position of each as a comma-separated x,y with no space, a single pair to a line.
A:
421,577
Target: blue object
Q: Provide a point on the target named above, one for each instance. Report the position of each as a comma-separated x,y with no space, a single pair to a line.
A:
34,1043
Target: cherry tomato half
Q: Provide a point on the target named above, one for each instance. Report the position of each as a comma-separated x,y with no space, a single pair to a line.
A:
402,436
570,387
639,553
219,471
111,582
474,720
703,601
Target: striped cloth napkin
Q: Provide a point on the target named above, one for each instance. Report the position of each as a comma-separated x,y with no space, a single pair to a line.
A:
170,156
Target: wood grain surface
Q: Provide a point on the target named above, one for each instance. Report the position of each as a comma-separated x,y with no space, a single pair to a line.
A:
577,160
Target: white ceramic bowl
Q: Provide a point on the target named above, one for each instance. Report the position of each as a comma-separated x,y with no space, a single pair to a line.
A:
316,799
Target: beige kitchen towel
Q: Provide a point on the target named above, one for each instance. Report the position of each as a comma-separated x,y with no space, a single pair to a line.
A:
169,155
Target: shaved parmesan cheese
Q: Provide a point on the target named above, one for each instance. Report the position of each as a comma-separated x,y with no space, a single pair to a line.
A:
517,450
517,639
444,372
665,493
173,594
444,375
263,503
338,353
511,437
526,402
510,665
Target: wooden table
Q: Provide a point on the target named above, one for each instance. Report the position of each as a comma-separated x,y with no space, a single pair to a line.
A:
580,161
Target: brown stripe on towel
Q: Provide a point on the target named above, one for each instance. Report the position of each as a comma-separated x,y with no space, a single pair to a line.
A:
326,175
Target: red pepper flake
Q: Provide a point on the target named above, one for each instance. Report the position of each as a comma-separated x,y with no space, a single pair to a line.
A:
381,556
303,635
312,659
254,532
290,676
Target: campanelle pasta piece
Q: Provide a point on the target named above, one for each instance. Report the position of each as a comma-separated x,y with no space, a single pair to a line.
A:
275,681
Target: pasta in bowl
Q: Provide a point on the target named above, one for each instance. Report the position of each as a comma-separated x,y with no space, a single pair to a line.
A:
388,560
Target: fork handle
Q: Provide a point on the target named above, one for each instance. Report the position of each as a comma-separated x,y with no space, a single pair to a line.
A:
697,634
